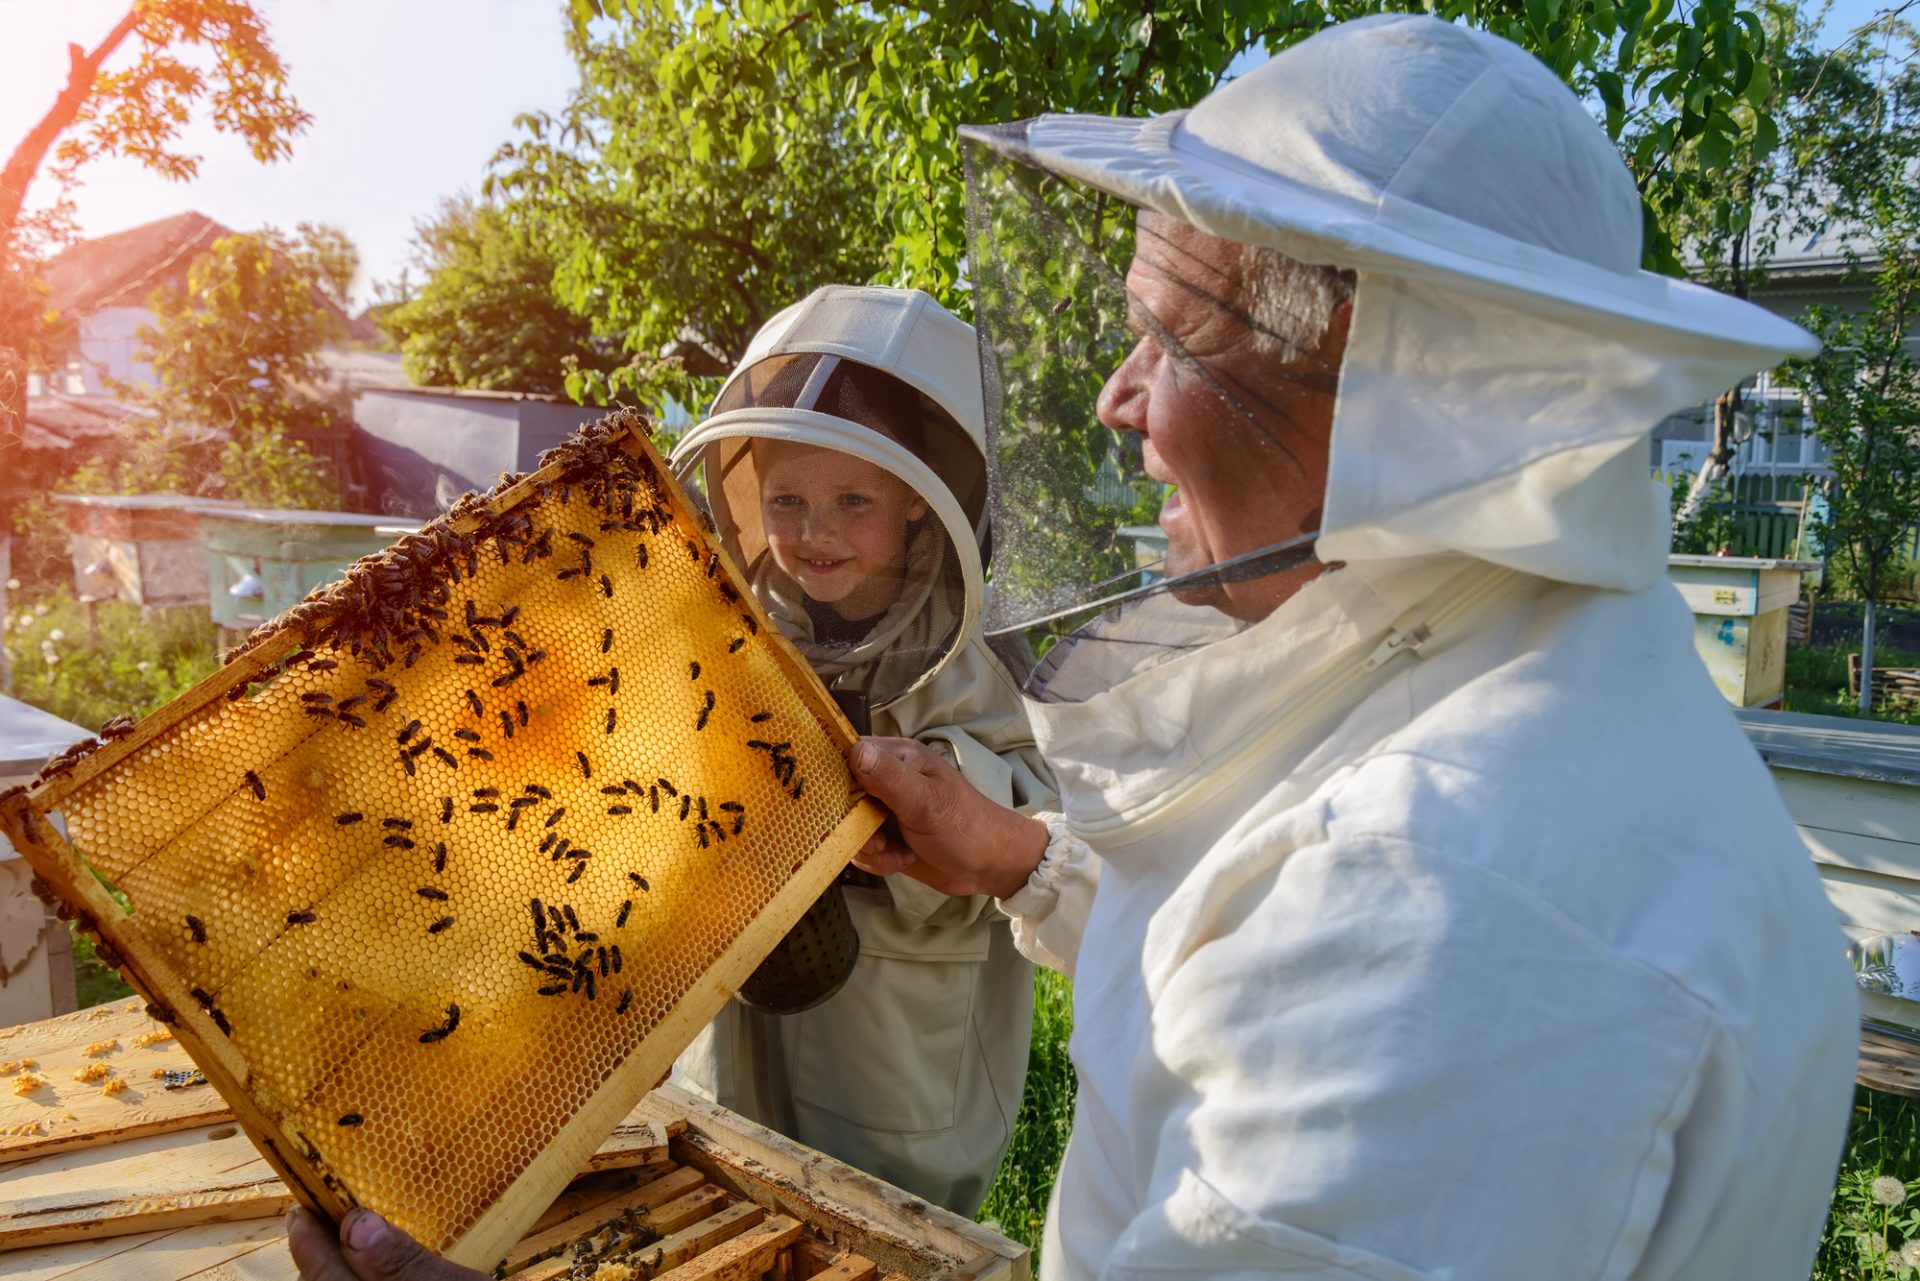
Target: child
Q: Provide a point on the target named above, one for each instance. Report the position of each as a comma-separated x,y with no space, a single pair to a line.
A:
844,467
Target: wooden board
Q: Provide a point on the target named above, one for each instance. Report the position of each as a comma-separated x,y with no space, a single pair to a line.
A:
210,1174
66,1114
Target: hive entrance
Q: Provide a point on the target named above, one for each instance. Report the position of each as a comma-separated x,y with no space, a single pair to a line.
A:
439,874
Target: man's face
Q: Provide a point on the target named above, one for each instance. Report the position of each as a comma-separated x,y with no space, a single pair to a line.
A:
1238,426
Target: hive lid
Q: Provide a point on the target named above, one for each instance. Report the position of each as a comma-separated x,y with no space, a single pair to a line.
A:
438,874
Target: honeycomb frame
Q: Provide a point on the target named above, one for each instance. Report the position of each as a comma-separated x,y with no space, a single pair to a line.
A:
293,904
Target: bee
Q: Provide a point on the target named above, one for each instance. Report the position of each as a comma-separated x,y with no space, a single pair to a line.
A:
553,989
446,1029
466,735
573,922
601,956
591,993
473,701
508,614
586,769
398,842
322,712
619,809
440,924
351,1118
446,809
667,787
798,784
606,640
606,587
397,824
237,693
738,641
462,641
406,762
521,802
317,699
299,657
705,711
413,656
433,892
582,539
539,916
613,676
506,723
713,564
440,856
220,1021
480,640
760,717
513,819
532,961
446,758
753,624
469,660
547,843
348,819
348,718
626,999
346,703
693,670
653,798
556,816
200,994
501,682
616,958
385,700
702,830
700,806
407,731
586,937
578,870
728,594
520,710
259,789
640,554
620,921
484,807
322,665
566,574
686,804
306,917
198,930
610,719
613,791
693,551
536,656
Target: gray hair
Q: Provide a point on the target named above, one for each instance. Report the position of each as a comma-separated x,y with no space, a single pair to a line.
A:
1289,303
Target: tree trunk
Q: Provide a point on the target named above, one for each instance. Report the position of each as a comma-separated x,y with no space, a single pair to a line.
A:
1866,660
1726,408
25,161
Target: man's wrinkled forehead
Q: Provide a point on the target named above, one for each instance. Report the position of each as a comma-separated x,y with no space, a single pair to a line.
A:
1167,247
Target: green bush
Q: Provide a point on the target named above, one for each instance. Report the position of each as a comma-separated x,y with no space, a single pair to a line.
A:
1817,680
126,660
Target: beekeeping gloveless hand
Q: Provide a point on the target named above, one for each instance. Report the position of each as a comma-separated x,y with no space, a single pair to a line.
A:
368,1248
943,831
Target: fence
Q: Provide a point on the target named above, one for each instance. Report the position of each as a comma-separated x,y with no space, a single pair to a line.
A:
1750,515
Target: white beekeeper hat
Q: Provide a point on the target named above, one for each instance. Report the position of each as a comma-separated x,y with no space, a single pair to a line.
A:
1506,354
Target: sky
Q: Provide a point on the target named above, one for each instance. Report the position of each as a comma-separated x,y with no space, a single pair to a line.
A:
409,100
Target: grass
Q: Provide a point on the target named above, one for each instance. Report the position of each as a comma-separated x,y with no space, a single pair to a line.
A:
1817,680
1017,1202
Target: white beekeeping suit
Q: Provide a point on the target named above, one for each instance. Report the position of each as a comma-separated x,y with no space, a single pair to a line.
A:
1440,923
913,1070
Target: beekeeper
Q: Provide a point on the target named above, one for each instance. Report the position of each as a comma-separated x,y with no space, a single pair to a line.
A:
843,464
1428,913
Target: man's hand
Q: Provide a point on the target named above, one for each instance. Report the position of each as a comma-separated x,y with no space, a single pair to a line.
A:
368,1249
944,832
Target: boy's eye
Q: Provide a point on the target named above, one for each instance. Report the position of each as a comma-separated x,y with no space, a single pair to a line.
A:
786,500
854,500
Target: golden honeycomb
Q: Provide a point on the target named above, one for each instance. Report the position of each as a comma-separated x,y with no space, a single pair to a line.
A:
423,870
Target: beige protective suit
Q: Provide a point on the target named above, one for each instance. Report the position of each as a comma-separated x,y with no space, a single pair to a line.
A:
912,1071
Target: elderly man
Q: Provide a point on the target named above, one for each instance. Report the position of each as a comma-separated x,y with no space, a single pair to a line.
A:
1428,914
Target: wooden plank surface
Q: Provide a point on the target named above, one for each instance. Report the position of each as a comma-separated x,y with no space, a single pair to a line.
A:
1889,1060
744,1257
1869,903
1890,811
1877,854
66,1114
206,1175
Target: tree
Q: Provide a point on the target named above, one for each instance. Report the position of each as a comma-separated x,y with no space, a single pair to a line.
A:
238,350
488,316
136,109
1863,389
705,174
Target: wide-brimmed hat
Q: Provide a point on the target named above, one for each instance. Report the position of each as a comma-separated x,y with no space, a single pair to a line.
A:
1506,351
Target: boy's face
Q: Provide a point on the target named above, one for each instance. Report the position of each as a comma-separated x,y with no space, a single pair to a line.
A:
836,524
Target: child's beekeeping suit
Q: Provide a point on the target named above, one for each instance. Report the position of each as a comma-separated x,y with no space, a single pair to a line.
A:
913,1070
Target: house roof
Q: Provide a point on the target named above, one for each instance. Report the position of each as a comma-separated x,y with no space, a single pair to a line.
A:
60,422
120,270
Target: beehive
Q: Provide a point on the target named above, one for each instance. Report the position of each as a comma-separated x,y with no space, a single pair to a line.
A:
436,876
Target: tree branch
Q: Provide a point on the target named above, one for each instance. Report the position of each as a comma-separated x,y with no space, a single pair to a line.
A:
25,161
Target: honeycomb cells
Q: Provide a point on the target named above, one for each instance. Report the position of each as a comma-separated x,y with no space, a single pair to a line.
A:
333,948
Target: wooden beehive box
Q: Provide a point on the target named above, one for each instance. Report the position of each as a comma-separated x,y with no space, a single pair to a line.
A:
158,1184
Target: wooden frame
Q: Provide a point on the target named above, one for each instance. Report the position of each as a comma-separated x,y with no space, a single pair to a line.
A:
24,816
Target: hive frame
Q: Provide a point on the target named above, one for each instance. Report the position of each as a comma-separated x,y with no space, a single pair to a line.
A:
24,814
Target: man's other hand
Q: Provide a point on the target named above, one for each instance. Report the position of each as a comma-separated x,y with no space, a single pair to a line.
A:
367,1249
943,831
